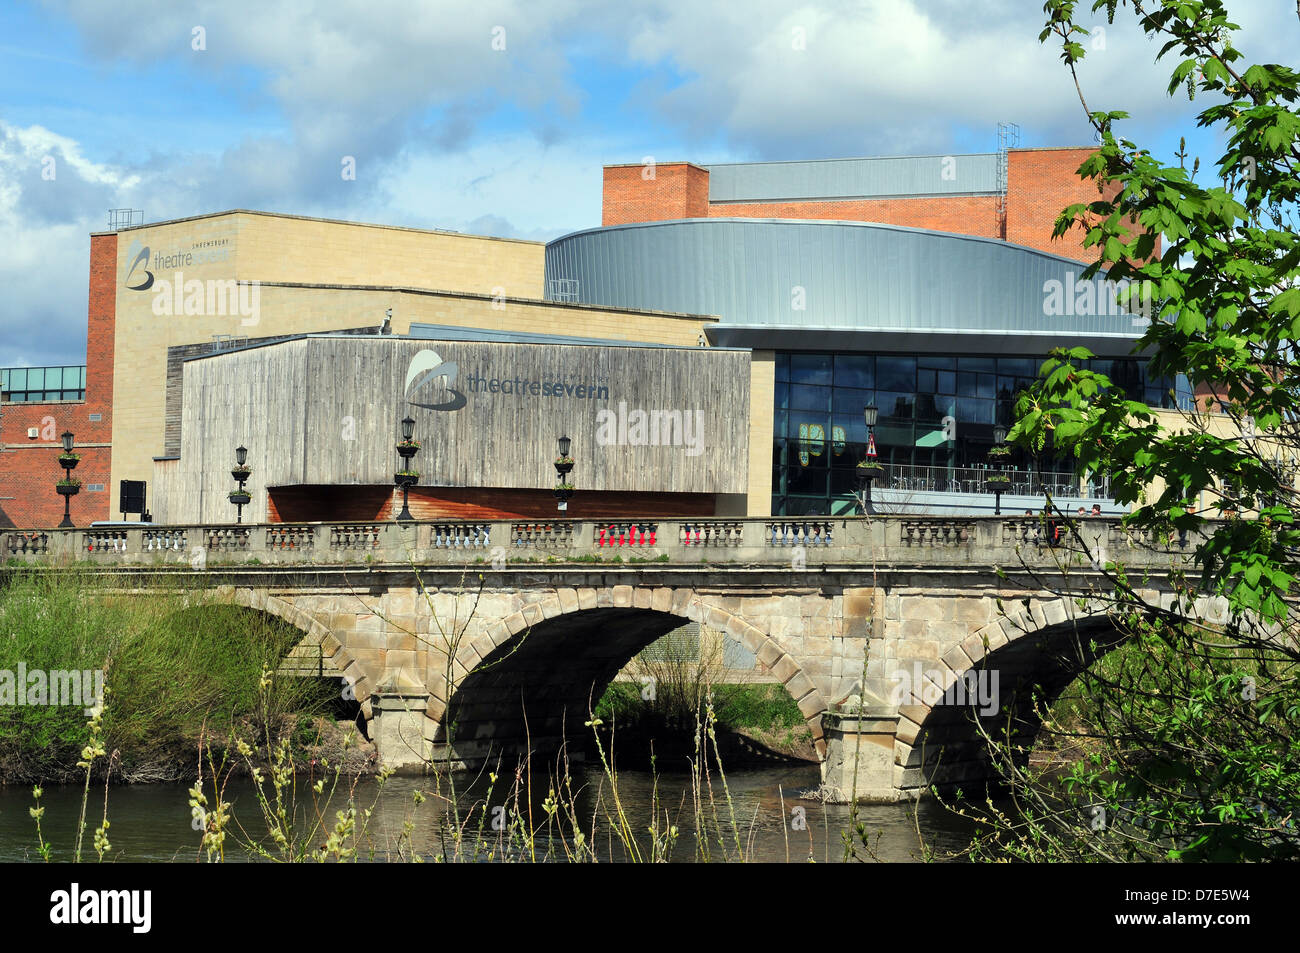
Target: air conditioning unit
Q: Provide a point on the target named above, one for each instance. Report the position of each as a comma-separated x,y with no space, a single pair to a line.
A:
33,433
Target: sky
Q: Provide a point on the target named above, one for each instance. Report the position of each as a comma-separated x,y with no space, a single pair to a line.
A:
496,117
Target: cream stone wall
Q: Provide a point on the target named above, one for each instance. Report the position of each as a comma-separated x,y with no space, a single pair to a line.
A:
1222,426
762,394
471,281
287,248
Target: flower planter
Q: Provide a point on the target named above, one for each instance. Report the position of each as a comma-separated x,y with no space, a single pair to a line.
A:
406,479
998,484
68,489
240,499
240,473
869,472
69,461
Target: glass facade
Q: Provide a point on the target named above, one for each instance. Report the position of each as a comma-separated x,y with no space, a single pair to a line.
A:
820,435
31,384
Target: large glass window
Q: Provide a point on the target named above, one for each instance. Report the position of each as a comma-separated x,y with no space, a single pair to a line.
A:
936,415
31,384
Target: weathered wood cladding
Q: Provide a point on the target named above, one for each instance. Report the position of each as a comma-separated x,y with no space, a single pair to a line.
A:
326,411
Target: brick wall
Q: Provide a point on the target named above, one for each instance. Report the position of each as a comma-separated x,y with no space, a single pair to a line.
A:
1040,183
678,190
960,214
29,468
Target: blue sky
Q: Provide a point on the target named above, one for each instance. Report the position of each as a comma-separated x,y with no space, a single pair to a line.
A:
496,117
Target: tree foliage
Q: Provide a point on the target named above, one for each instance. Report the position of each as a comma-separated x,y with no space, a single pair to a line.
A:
1192,727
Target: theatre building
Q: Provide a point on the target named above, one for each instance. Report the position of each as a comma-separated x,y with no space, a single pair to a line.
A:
709,350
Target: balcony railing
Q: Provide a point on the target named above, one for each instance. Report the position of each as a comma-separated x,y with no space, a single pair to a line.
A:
779,542
975,480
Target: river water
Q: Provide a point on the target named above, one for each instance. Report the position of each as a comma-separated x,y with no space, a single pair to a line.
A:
153,823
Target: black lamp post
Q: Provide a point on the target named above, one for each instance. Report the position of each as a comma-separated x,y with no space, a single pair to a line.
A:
998,482
240,471
406,477
869,469
563,464
68,487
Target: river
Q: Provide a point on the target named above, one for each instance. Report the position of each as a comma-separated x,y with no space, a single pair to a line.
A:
153,823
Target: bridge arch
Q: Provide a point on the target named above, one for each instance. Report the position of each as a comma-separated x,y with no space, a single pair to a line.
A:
536,670
1038,648
334,654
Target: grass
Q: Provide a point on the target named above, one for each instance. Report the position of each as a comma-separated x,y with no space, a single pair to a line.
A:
173,662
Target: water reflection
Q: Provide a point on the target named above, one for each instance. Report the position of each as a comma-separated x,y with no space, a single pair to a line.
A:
765,821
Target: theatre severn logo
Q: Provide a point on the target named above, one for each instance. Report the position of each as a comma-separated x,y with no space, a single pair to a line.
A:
138,254
426,367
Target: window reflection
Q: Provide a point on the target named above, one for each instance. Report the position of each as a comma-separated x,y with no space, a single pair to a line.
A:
819,433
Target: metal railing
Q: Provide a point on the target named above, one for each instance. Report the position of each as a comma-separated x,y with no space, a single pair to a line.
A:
124,218
974,479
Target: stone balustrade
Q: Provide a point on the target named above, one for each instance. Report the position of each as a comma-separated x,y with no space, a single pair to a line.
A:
882,541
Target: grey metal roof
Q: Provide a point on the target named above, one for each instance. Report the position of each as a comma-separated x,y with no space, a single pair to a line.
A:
451,332
853,279
854,178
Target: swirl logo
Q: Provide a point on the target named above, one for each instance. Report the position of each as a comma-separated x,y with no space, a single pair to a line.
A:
425,367
139,257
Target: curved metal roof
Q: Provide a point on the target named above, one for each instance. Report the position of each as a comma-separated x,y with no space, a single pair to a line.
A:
773,281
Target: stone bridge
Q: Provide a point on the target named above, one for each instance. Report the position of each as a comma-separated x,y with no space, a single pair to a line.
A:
469,641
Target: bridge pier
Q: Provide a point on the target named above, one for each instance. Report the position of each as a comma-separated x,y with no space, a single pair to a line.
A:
859,757
397,727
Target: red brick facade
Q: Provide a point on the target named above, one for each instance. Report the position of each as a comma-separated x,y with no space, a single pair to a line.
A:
29,468
1040,183
654,193
960,214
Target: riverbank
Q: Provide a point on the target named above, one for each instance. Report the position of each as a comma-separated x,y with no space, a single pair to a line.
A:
754,724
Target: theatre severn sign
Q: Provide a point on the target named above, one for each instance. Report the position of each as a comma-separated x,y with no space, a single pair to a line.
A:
321,411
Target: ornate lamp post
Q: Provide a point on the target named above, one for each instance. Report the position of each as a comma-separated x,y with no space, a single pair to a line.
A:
68,487
407,477
998,482
240,471
869,469
563,464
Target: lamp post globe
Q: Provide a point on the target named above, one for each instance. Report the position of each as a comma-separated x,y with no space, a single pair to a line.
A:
563,464
66,487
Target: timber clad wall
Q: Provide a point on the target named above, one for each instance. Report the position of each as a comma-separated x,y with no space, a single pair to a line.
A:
325,412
